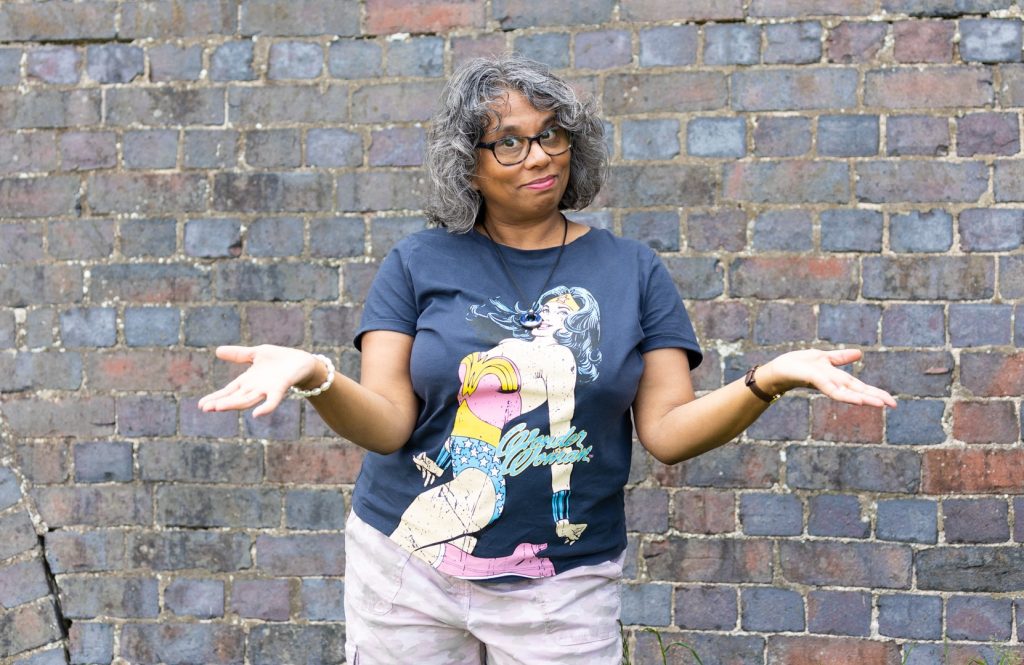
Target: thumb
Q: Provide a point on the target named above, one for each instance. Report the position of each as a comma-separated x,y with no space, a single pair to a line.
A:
844,356
236,354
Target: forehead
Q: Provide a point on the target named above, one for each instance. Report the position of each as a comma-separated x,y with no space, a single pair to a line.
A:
513,111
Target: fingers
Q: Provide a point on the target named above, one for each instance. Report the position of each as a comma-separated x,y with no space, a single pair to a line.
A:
272,402
844,356
206,403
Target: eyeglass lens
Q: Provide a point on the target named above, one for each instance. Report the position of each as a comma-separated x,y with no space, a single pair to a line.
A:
513,149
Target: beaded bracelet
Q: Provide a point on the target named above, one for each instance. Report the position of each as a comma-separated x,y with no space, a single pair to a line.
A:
323,386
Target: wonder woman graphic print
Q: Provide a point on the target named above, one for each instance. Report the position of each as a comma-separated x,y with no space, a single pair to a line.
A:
517,463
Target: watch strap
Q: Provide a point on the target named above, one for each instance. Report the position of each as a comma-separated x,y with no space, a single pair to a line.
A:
750,382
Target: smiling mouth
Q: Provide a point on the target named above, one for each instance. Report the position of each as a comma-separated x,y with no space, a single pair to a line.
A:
541,183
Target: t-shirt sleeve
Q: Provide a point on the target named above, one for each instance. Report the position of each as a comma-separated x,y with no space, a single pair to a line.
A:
391,302
663,317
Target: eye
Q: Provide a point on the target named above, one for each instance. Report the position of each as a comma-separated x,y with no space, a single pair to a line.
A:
548,134
509,142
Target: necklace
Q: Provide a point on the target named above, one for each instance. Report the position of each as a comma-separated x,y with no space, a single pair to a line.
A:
529,319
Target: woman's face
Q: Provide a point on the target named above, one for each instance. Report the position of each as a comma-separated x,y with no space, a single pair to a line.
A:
552,319
531,189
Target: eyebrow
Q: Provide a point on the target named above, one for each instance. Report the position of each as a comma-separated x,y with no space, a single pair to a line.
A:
516,129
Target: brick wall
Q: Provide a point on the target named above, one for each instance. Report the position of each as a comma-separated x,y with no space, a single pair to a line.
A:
177,174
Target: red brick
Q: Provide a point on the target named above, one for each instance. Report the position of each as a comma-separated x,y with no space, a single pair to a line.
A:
793,277
27,627
855,42
993,374
477,46
304,462
791,650
149,370
928,88
973,471
674,93
43,463
38,197
985,422
835,421
788,181
924,41
847,564
705,511
387,16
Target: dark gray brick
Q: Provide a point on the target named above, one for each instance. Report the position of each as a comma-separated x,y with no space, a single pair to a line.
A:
916,422
10,493
990,40
211,551
165,106
917,135
212,326
771,514
786,136
268,600
200,462
91,643
82,151
151,149
914,325
338,147
930,231
49,108
103,461
650,139
207,149
603,49
114,63
662,185
169,62
181,643
272,192
147,193
307,555
987,134
35,370
282,281
949,8
852,468
907,520
322,599
395,102
851,230
10,66
861,564
979,618
82,239
316,510
978,569
788,181
282,424
915,617
658,230
178,18
791,89
275,236
416,56
299,18
88,326
716,137
22,242
295,60
214,424
337,237
354,59
148,237
551,48
792,43
848,135
147,415
519,14
975,520
646,604
928,278
732,44
992,230
392,146
54,64
839,613
273,148
38,197
381,190
920,181
674,92
319,643
28,627
979,324
203,599
706,608
22,582
210,238
151,326
121,597
201,506
232,61
785,230
836,515
773,610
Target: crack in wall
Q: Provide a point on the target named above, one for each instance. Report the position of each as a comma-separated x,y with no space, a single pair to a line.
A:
62,622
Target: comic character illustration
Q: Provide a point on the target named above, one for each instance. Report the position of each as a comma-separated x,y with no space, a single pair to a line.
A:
523,372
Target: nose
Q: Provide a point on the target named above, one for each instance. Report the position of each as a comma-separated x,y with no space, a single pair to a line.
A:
536,155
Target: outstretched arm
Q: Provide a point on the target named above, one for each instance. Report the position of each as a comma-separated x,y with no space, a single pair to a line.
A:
675,426
377,413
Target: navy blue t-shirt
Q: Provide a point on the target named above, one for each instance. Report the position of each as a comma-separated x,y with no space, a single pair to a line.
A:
521,448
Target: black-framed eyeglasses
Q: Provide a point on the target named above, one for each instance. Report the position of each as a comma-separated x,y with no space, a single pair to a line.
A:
511,150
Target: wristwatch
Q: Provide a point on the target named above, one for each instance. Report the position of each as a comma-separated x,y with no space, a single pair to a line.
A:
748,381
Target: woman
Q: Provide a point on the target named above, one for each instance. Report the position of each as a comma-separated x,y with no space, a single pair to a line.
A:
511,147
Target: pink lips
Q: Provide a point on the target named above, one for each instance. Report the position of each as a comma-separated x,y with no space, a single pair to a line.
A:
542,183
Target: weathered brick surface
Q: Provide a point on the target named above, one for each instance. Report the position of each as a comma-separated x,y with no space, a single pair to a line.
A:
180,174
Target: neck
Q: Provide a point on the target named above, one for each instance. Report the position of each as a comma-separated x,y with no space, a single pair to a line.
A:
529,234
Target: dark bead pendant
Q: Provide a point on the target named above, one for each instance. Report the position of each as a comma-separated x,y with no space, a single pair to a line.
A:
529,320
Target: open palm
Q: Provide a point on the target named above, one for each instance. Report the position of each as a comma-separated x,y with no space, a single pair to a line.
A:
272,370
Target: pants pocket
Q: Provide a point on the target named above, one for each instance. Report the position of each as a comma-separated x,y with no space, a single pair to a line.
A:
373,567
585,607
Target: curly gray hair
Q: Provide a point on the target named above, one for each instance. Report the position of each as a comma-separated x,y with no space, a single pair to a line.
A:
467,104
